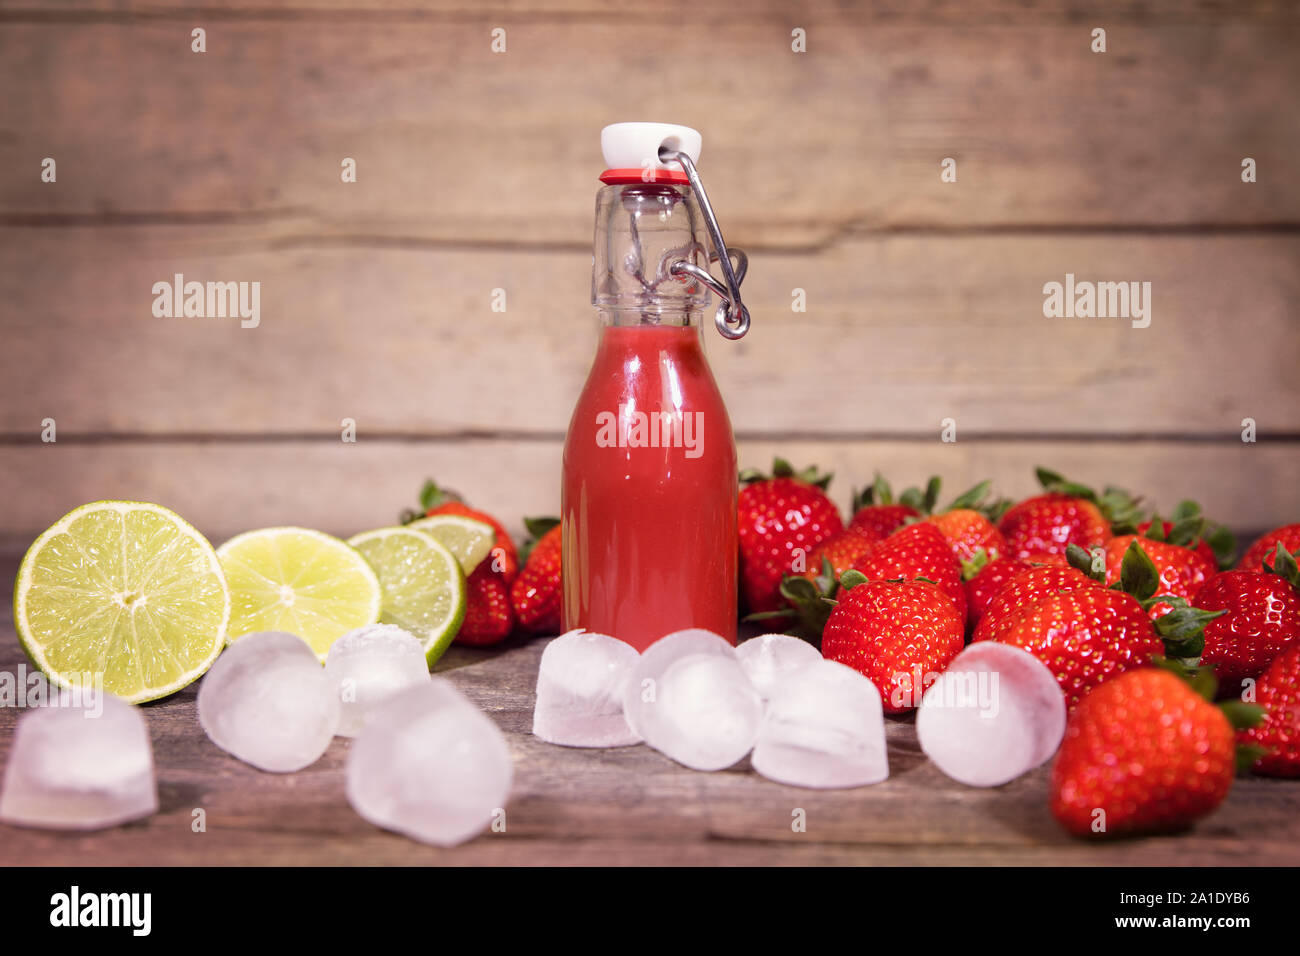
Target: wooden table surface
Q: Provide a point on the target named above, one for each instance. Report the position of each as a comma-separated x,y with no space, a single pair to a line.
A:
626,806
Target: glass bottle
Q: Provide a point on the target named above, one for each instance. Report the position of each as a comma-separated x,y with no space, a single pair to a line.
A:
649,489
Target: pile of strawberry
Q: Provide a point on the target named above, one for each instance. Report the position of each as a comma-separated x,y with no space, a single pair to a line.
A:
1131,613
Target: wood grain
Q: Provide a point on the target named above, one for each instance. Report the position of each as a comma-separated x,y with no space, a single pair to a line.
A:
457,144
228,487
899,334
627,806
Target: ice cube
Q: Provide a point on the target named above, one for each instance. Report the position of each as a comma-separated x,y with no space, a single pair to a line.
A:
268,702
370,664
580,686
824,728
430,765
706,713
995,713
768,658
642,684
79,763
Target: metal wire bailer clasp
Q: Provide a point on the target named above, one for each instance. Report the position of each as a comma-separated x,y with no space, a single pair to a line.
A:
732,317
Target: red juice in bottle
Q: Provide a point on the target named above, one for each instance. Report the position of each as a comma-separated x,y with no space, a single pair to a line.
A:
649,489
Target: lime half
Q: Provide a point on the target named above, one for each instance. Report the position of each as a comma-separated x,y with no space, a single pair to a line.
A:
469,540
126,592
301,581
423,585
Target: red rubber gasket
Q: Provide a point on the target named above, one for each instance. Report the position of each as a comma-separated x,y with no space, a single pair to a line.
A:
624,177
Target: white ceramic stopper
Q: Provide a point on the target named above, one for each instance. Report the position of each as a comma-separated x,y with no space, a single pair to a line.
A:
636,145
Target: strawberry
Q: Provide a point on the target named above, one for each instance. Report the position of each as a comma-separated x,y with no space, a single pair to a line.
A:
968,532
489,617
489,614
1182,571
1262,620
839,553
782,519
984,583
899,634
1142,753
1277,738
916,551
1085,637
1068,513
535,593
877,513
1253,560
1023,590
1166,528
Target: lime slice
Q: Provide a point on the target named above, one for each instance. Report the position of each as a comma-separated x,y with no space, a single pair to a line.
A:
301,581
423,584
469,540
126,592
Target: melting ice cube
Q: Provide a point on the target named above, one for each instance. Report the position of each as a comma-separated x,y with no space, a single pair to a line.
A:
995,713
430,765
706,713
768,658
643,683
580,686
268,702
824,728
79,764
370,664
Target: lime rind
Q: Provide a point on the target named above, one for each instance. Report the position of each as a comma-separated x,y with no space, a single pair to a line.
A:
89,622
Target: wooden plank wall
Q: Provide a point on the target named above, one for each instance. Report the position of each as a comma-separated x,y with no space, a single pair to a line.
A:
476,172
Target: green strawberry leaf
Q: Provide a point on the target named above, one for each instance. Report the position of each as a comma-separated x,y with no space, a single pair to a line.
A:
1048,478
809,605
1284,565
1083,560
971,497
539,526
880,492
931,494
782,468
431,496
1242,715
1224,545
1200,679
1156,532
973,565
1137,574
1186,532
1000,507
826,583
1121,509
851,579
1185,509
1182,628
1247,755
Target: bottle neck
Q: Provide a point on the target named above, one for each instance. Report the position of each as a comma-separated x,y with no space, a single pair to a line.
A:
637,318
642,231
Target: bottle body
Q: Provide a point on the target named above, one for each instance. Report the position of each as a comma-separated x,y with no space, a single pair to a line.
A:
649,489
